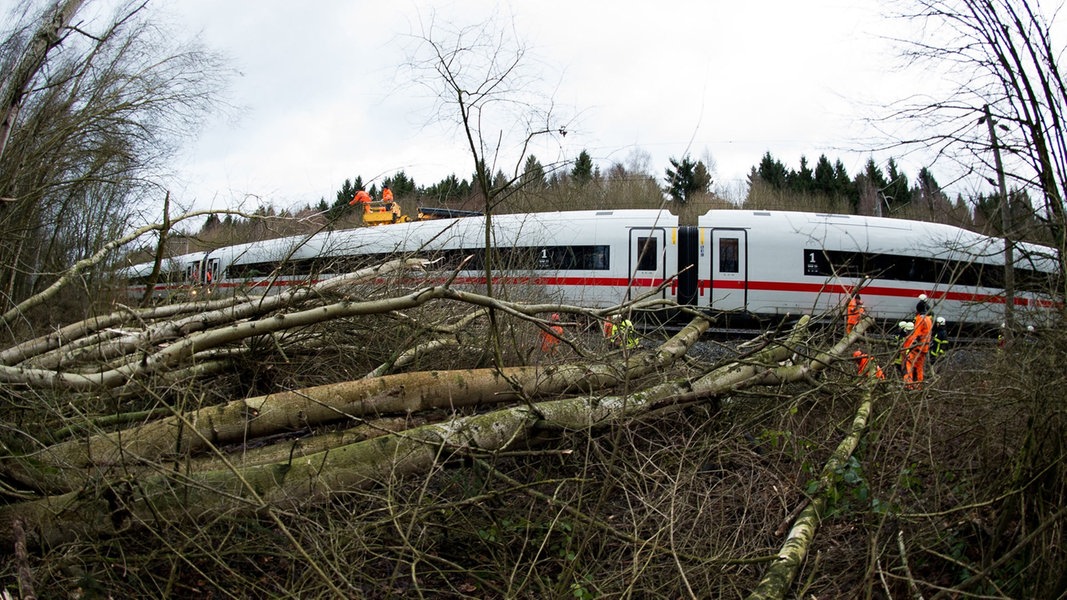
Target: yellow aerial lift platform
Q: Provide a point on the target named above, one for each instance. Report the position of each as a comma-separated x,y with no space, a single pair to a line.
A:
386,213
381,213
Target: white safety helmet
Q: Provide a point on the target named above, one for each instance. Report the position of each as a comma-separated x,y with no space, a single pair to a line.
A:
908,326
1029,329
902,325
922,297
941,320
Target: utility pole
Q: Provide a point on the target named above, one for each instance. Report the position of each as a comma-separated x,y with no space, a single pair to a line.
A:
1005,225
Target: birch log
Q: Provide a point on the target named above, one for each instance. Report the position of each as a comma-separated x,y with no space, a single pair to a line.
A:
780,574
105,508
69,464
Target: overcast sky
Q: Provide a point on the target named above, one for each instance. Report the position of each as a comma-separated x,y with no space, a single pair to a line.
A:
324,96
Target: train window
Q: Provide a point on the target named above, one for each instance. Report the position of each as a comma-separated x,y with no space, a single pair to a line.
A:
728,255
574,258
164,276
836,263
248,271
448,260
556,258
548,258
600,258
648,248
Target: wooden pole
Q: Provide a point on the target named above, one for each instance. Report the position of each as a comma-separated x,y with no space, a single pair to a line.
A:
1005,225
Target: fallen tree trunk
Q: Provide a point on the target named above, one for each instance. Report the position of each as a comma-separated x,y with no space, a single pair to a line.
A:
450,338
73,272
35,352
143,359
780,574
314,478
198,331
69,464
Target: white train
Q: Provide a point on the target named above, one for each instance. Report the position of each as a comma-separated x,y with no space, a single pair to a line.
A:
753,263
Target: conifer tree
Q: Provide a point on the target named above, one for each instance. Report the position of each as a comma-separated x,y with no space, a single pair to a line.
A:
772,171
401,184
843,187
449,189
803,180
210,223
928,191
874,174
866,190
582,173
898,189
533,173
701,178
824,177
681,179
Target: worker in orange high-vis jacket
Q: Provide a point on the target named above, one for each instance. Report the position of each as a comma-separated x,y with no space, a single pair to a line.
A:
865,366
361,197
903,331
917,346
550,338
853,313
390,204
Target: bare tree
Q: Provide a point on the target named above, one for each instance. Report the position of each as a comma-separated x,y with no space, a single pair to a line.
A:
480,79
16,85
88,128
998,53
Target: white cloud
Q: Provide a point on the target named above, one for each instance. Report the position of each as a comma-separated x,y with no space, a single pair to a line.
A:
324,96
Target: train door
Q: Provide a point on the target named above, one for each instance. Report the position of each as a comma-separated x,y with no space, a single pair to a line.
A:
729,269
192,272
200,271
647,264
211,271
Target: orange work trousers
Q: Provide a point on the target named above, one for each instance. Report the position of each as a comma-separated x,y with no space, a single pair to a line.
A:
913,367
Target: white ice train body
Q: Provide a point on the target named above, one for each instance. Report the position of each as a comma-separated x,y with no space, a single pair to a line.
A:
589,258
743,262
775,262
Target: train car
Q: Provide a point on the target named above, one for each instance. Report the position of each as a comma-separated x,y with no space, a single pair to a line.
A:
179,278
590,258
769,263
756,264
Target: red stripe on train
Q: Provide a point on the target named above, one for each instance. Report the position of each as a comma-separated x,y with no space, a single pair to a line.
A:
703,286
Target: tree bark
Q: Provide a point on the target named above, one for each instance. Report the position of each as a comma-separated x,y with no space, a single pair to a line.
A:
70,463
197,338
313,478
780,574
48,36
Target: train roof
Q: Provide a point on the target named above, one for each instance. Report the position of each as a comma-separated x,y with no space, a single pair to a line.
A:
515,229
430,233
880,234
873,234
